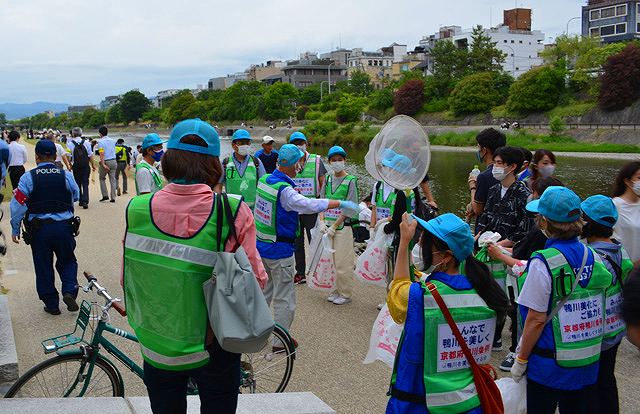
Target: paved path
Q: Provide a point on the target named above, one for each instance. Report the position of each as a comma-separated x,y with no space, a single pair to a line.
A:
333,340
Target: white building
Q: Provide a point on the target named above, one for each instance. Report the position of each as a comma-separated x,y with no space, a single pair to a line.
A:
223,82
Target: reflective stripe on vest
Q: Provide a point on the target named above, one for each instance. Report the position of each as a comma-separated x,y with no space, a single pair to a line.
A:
307,180
578,354
449,398
245,184
175,361
455,301
173,250
266,209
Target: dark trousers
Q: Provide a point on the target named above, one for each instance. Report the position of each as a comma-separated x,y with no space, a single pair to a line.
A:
81,175
603,395
307,222
513,314
51,238
121,169
545,400
217,382
15,172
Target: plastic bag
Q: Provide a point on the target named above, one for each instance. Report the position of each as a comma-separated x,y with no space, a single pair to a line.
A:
324,276
371,266
384,340
487,238
514,395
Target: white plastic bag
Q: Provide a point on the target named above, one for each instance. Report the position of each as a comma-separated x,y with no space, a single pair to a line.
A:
324,276
371,266
487,238
514,395
385,337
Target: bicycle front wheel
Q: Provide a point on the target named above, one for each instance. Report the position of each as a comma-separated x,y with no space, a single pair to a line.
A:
65,376
268,370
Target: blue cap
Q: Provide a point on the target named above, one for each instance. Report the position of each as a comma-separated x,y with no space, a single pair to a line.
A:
398,162
199,128
240,134
600,209
150,140
297,136
337,150
557,204
453,231
45,147
289,154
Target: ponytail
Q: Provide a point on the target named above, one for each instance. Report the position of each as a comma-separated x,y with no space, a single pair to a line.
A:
480,278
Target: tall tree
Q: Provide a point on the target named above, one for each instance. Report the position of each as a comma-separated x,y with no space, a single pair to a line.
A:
278,100
620,80
450,64
360,83
3,118
133,105
484,56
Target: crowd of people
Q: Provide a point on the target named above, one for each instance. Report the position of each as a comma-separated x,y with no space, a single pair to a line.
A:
561,268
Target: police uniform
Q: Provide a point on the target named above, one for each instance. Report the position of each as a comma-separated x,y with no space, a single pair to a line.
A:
44,198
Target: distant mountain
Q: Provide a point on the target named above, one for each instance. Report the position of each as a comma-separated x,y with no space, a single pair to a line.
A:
17,111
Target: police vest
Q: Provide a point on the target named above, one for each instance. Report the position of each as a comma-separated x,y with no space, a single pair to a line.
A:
578,328
244,185
306,181
271,226
163,277
385,208
50,193
341,194
155,175
121,153
613,324
448,378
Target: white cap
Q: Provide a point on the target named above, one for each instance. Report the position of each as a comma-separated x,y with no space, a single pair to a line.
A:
267,139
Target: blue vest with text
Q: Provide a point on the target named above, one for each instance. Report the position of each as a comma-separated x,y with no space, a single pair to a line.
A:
50,193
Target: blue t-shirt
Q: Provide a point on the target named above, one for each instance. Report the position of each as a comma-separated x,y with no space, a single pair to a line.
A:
269,161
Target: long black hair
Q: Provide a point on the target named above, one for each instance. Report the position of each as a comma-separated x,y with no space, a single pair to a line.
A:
476,272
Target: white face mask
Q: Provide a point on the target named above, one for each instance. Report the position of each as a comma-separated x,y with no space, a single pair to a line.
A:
416,257
499,173
432,268
303,147
636,188
337,166
244,150
547,171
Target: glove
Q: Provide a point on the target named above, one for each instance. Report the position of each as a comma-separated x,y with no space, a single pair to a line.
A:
519,369
331,231
350,209
322,227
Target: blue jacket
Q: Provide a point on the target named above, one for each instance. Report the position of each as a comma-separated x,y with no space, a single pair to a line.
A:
4,160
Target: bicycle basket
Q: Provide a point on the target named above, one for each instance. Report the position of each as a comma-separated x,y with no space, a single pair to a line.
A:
84,315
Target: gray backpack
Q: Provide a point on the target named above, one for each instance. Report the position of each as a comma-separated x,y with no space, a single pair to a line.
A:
238,312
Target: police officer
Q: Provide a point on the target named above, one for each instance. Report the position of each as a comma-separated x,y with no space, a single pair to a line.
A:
44,198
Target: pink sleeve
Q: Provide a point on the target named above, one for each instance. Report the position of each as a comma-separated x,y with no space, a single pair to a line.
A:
246,231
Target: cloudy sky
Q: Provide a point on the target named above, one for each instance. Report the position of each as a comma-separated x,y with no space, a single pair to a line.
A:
77,52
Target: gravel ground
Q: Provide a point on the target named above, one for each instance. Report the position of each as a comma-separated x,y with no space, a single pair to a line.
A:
333,339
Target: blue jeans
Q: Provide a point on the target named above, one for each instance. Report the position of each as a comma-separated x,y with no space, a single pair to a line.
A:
54,237
217,382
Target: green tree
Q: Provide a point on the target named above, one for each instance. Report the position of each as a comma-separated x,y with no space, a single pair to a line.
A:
620,79
114,115
360,83
381,99
153,114
539,89
134,104
478,93
3,118
350,108
242,101
556,125
178,110
96,120
278,100
589,64
483,54
450,64
310,95
569,49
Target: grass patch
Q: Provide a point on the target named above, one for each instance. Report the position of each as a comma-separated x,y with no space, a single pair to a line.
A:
326,133
575,109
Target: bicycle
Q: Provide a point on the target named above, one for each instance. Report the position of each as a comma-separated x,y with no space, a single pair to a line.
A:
86,371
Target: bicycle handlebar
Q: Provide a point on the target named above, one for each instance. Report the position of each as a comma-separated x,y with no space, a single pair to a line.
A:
111,302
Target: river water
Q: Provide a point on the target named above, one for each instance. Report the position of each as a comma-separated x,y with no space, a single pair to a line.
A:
450,169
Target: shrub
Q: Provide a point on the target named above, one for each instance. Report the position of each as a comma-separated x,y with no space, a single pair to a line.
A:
313,115
329,116
381,99
346,129
537,90
556,125
350,108
436,105
409,99
620,80
320,128
301,112
478,93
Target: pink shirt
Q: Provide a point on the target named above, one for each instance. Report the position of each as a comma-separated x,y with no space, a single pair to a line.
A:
182,210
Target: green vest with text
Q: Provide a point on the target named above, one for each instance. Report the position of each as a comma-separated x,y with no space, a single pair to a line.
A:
163,277
243,185
307,180
341,193
614,324
385,208
155,174
266,212
497,268
578,328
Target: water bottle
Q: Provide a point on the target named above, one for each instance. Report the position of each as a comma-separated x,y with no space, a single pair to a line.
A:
475,172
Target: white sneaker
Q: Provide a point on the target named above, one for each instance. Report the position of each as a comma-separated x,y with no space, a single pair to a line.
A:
341,300
380,306
333,297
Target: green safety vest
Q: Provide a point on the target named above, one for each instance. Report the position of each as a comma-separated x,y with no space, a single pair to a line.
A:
306,181
578,328
244,185
266,208
163,277
121,153
614,325
155,174
385,208
448,378
341,193
497,268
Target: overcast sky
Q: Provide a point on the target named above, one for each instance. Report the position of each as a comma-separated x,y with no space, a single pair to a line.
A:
77,52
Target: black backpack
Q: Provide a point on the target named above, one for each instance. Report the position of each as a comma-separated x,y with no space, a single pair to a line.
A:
80,155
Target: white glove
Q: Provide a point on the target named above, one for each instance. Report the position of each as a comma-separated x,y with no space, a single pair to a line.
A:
331,231
519,369
350,209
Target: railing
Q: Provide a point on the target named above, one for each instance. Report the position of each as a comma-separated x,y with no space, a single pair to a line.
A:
602,125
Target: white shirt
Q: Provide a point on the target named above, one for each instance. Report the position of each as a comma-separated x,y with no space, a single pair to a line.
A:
108,146
536,291
77,140
144,180
627,229
386,190
503,191
291,200
59,152
17,154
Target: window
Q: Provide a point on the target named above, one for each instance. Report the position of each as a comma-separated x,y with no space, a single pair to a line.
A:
607,30
520,41
595,32
505,40
621,28
595,15
513,41
608,12
370,64
638,28
621,10
611,30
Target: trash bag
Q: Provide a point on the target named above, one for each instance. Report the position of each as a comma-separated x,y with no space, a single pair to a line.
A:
514,395
324,276
384,340
315,247
497,268
371,266
399,154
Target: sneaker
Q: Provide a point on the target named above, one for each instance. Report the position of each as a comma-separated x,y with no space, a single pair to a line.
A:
118,193
70,301
341,300
85,206
113,201
104,199
52,311
332,297
380,306
124,192
299,279
507,363
497,345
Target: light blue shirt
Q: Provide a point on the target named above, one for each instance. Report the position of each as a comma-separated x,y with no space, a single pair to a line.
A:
107,145
25,186
5,159
242,166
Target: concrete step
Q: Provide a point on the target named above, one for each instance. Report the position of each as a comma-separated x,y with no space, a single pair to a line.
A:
290,403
